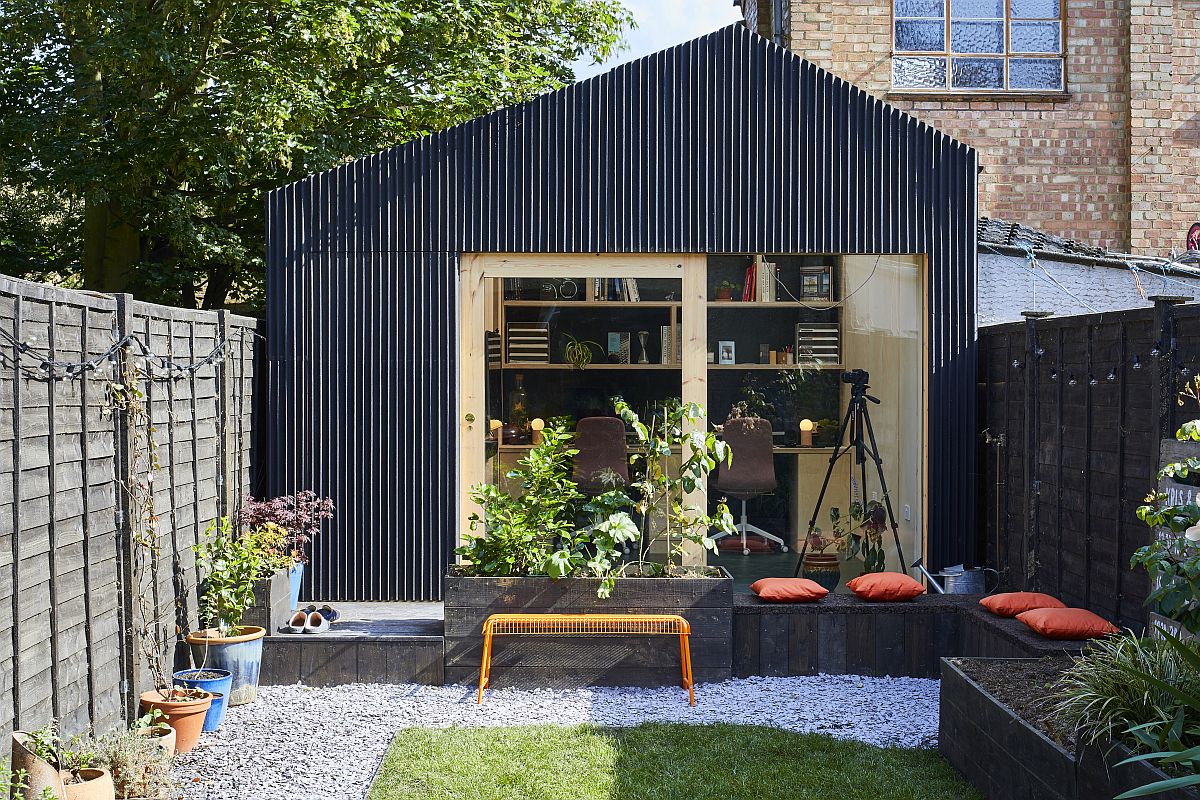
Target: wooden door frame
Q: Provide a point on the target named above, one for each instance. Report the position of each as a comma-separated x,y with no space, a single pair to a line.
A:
473,271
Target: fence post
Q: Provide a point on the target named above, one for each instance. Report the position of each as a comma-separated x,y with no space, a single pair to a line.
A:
1163,371
225,431
131,671
1030,482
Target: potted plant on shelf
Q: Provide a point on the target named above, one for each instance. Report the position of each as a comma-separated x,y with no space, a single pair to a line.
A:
546,545
300,515
725,289
230,565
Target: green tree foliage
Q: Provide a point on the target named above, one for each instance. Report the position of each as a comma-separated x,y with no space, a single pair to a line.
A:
156,126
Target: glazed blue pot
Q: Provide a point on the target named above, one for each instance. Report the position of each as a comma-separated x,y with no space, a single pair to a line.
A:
295,575
219,688
240,655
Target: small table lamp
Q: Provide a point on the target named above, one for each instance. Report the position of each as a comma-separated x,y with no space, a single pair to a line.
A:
806,432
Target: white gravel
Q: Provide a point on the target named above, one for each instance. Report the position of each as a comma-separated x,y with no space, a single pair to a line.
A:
302,743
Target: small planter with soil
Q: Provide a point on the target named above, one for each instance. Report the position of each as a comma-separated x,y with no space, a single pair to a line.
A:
184,710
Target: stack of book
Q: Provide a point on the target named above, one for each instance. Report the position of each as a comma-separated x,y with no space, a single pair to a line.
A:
529,343
761,280
620,289
819,342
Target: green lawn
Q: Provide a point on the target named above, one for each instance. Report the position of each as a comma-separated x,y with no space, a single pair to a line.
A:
655,762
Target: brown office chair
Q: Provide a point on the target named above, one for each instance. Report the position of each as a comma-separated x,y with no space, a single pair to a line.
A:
602,463
752,472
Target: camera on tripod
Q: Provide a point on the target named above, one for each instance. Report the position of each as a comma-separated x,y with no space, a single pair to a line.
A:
856,377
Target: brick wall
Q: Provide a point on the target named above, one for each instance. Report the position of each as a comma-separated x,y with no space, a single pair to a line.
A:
1060,164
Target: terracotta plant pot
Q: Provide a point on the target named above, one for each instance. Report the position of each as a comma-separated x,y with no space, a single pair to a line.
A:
163,735
240,655
96,784
724,294
185,716
824,568
40,774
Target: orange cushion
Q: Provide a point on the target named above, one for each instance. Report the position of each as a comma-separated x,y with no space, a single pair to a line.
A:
1010,604
788,590
1067,623
881,586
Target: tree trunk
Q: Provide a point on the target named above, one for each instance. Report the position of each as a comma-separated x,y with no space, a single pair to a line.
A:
111,247
220,281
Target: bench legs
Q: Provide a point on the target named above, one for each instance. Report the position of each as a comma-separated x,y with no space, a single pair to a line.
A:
485,666
685,664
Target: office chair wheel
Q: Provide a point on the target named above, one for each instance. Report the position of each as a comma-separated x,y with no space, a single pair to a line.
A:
784,548
745,551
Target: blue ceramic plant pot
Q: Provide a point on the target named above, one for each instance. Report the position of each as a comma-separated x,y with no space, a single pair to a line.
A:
240,655
219,688
295,575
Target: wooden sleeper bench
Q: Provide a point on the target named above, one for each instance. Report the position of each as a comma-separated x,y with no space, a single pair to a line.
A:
588,625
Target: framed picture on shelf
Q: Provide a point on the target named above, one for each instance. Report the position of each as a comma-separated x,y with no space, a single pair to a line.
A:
618,347
816,283
726,353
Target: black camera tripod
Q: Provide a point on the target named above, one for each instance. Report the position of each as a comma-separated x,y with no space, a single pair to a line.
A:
862,441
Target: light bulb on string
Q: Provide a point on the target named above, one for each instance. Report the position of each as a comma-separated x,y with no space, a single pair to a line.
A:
1137,364
1016,363
1053,374
1112,374
1092,380
1071,381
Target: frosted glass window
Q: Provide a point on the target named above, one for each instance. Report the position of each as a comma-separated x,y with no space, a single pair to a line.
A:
921,8
977,9
978,37
979,45
919,73
1035,37
918,35
977,73
1036,9
1035,73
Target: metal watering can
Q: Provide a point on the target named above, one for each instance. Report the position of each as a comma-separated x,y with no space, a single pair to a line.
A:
959,579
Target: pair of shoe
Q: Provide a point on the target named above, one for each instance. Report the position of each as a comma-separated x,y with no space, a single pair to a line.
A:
311,620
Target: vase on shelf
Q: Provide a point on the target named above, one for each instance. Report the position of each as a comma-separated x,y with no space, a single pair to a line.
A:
643,337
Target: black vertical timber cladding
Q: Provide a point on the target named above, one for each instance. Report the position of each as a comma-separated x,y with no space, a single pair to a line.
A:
727,143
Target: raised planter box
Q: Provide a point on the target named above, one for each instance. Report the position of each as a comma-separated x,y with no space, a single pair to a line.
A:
272,603
1006,758
570,661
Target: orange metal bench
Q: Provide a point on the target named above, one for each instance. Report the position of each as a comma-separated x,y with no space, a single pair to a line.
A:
588,624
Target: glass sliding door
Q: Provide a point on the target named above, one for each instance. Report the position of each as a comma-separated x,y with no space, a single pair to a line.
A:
550,340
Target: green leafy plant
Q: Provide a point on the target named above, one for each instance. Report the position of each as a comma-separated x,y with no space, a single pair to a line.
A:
12,782
1121,682
674,461
517,531
1174,738
579,351
597,549
726,285
752,405
230,565
858,534
152,720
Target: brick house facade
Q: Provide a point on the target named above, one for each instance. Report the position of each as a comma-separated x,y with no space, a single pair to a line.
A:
1114,160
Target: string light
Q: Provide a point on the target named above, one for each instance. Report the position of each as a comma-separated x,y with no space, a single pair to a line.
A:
1112,374
1136,363
1092,380
1071,381
52,369
1016,363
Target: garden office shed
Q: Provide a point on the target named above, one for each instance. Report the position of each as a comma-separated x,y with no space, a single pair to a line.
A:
721,221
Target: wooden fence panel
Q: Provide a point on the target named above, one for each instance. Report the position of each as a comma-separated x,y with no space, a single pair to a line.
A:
65,634
1074,408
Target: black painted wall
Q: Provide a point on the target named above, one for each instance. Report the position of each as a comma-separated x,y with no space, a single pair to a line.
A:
727,143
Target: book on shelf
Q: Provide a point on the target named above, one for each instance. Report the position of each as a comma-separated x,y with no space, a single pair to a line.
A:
528,342
618,345
671,352
819,342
